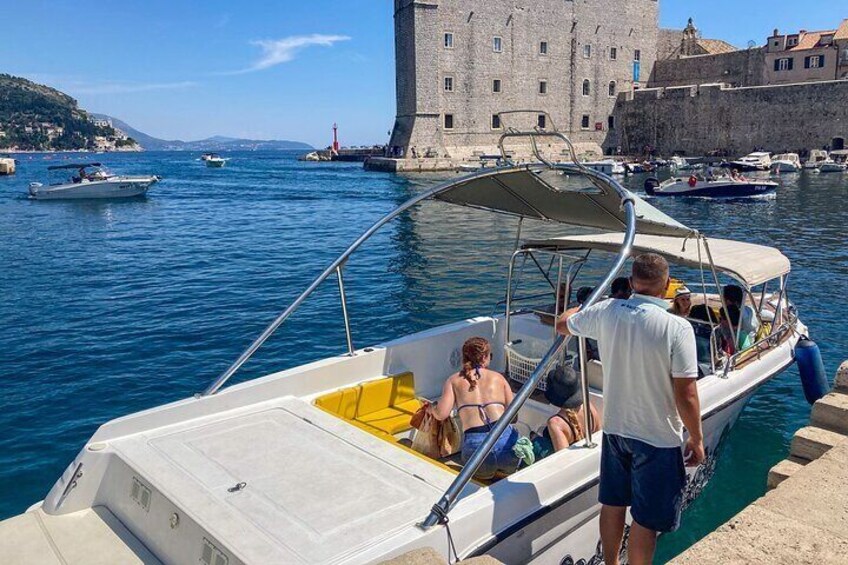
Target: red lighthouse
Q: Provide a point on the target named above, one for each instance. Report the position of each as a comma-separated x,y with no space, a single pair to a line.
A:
335,138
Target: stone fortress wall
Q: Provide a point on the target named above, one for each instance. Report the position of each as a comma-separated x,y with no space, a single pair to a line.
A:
617,31
737,68
698,119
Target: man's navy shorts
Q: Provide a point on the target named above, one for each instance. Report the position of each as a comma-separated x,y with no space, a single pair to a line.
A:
648,479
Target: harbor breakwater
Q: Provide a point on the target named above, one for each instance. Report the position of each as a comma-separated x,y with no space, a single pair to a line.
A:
696,120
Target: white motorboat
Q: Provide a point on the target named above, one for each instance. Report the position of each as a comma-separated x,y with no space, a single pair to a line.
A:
786,163
91,181
757,161
679,163
606,166
716,187
817,156
311,464
831,166
215,161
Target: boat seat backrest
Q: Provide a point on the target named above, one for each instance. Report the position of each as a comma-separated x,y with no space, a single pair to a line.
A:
595,374
386,404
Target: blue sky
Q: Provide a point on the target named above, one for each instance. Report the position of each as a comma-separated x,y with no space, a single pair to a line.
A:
279,69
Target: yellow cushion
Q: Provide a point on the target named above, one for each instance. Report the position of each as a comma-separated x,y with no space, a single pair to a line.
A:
392,420
358,402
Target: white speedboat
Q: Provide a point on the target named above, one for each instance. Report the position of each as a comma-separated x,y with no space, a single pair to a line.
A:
91,181
786,163
757,161
215,161
679,163
718,187
817,156
312,465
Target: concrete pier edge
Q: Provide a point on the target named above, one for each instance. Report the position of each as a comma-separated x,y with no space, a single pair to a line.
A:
803,518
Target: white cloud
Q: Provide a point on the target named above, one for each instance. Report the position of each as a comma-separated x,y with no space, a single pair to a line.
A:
276,51
126,87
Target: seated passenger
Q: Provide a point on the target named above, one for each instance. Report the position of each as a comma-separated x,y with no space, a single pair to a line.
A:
583,294
480,396
702,320
566,426
748,325
682,304
620,288
730,318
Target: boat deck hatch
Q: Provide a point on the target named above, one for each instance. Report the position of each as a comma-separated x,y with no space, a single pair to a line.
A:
314,487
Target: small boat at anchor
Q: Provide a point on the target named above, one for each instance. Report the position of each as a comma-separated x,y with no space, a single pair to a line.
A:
817,156
786,163
211,478
92,181
717,187
756,161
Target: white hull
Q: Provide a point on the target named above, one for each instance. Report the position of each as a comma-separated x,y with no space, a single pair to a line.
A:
785,167
117,187
832,168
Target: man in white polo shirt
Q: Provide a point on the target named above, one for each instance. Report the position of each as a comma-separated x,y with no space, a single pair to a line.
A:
650,391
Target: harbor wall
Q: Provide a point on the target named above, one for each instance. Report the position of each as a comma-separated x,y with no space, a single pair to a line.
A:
737,68
696,120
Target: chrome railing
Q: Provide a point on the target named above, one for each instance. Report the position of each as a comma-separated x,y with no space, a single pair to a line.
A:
443,506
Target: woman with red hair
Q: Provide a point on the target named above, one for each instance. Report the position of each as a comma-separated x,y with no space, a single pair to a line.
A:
480,395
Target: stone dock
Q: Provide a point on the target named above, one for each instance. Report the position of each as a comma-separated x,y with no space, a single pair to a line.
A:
804,516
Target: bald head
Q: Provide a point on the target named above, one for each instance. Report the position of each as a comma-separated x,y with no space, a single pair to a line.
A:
650,275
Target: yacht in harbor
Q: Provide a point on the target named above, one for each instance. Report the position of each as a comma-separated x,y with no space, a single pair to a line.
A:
757,161
91,181
312,464
817,156
786,163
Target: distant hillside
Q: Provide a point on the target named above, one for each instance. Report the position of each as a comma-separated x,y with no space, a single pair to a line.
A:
215,143
34,117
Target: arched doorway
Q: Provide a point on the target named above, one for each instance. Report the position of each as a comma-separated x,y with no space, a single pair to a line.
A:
837,144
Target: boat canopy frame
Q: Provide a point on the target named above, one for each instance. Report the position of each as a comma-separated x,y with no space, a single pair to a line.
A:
537,191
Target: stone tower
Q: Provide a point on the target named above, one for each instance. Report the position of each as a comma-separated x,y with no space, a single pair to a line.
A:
461,62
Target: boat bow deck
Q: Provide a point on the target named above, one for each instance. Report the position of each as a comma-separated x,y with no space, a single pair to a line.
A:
313,488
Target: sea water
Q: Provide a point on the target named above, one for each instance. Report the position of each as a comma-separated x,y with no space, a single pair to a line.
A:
108,308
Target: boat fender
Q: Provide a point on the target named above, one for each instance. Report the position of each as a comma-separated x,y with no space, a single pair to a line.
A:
651,184
811,369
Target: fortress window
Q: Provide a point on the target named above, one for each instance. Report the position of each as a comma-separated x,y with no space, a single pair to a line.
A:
448,84
497,44
612,88
543,48
587,87
637,55
584,122
448,121
587,51
541,121
496,121
543,87
613,53
496,85
611,122
784,64
448,40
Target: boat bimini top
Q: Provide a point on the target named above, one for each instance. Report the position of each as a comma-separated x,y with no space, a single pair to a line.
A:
748,263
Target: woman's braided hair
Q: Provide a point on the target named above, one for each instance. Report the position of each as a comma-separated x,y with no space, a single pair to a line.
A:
475,351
